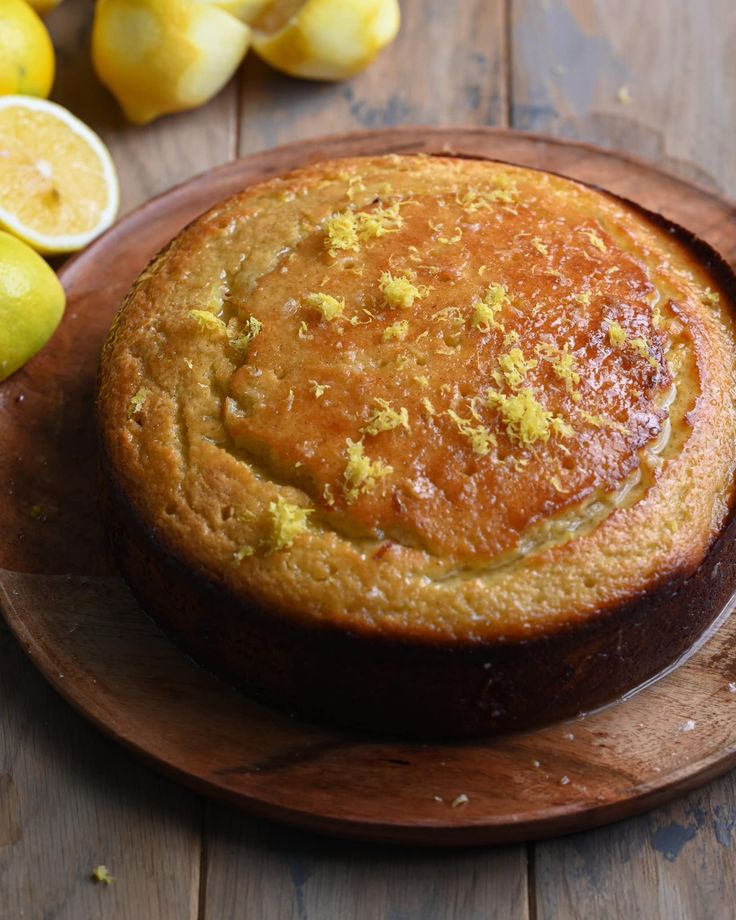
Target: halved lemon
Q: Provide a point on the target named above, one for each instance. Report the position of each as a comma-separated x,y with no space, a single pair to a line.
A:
58,185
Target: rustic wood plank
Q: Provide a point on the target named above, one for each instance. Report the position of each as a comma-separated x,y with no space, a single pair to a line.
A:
152,158
260,870
570,63
675,863
71,800
448,65
571,59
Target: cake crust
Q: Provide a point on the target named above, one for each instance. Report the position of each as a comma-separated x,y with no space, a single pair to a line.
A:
458,457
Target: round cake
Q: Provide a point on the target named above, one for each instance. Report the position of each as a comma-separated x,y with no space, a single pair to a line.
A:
425,446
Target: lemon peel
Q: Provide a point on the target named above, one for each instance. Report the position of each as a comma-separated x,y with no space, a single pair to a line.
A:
163,56
399,292
527,421
137,401
396,331
287,522
386,418
328,39
481,439
32,303
208,322
58,184
102,874
514,368
616,335
345,230
328,306
27,64
487,306
252,328
361,473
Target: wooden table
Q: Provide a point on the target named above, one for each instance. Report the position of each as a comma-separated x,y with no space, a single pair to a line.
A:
71,799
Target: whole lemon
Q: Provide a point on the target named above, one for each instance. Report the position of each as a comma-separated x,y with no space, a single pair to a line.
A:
32,303
325,39
27,62
44,6
162,56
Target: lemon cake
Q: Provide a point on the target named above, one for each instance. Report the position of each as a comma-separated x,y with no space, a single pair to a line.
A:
425,446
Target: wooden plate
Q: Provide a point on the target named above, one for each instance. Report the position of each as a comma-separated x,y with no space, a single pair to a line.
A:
85,632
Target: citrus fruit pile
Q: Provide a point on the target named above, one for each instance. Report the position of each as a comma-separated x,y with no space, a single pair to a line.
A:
163,56
58,185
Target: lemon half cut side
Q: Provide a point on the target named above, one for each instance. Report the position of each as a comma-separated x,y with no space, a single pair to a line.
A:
58,184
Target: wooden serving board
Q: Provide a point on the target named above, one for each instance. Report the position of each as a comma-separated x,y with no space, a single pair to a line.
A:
77,620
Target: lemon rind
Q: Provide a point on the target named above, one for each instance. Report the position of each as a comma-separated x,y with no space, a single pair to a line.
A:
70,242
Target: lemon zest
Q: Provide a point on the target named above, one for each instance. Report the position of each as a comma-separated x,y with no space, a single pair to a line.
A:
207,321
473,199
486,308
514,367
328,306
386,418
565,368
711,297
526,420
601,421
346,230
361,474
616,335
540,246
252,328
102,874
137,401
427,403
396,331
451,240
400,291
479,436
595,239
641,347
448,315
243,553
341,233
319,388
287,521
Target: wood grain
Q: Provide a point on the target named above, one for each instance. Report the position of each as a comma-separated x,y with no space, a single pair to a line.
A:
676,863
286,875
571,59
70,800
409,83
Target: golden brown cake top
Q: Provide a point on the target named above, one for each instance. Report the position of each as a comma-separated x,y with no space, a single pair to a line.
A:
451,361
463,365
